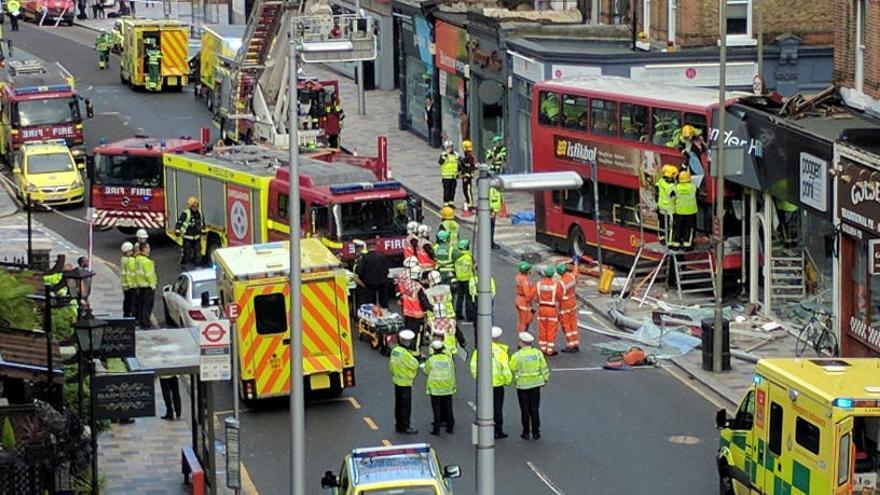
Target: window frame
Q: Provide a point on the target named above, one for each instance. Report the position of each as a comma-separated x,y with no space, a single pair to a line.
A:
844,458
747,38
585,116
592,121
648,127
806,434
774,428
654,110
259,309
541,120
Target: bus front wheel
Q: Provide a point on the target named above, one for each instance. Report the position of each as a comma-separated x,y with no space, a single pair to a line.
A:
577,244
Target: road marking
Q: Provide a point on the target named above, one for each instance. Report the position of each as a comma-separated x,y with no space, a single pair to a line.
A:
472,405
543,477
354,403
386,442
681,376
372,424
247,484
591,368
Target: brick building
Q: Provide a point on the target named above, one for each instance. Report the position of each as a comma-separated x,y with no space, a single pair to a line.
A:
857,53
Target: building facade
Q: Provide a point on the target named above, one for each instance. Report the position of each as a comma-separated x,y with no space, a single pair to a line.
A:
378,73
857,53
416,76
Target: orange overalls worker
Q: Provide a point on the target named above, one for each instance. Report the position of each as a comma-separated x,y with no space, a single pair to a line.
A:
568,308
549,294
525,297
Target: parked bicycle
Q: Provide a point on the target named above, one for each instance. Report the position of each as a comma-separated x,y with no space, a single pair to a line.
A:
816,333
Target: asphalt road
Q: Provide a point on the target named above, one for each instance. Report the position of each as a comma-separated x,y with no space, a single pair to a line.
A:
603,431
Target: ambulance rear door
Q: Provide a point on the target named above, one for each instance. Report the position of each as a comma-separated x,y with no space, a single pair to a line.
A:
843,456
777,441
326,336
265,338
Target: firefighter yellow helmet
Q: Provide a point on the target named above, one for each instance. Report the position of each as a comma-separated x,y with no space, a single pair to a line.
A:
689,131
684,176
447,213
192,202
669,171
467,145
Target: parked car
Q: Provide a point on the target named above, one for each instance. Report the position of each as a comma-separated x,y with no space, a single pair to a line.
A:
47,172
185,305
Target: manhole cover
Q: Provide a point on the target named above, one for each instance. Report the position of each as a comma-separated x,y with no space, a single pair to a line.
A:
683,440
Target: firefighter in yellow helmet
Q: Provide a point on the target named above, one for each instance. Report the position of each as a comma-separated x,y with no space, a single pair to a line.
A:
685,211
190,226
666,200
449,224
467,167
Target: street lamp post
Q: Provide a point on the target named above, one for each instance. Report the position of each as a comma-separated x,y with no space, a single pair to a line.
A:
90,336
484,423
718,230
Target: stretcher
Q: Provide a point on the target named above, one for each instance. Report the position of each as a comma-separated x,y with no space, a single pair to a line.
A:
378,326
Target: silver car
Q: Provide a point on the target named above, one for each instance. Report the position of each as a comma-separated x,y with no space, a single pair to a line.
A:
183,299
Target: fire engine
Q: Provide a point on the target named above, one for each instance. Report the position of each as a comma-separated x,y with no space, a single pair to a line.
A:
256,278
243,195
126,181
39,103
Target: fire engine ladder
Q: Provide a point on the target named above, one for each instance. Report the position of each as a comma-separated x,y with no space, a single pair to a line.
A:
787,275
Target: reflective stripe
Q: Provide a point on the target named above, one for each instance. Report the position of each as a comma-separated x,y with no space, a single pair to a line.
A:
545,288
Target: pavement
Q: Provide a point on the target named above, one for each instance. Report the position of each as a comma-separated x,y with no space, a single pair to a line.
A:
598,424
155,10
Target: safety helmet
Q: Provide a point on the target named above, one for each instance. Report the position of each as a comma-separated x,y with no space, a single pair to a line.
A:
447,144
127,246
669,171
141,234
467,145
424,230
561,268
415,272
549,270
524,266
434,278
684,176
412,228
447,213
360,245
442,236
400,207
688,131
192,202
410,262
497,139
464,244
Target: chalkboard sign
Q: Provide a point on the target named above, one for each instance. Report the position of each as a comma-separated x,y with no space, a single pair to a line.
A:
119,341
125,395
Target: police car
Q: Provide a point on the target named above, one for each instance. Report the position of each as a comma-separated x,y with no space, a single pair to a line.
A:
412,469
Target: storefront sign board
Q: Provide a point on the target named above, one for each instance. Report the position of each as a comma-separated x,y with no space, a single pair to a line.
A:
452,48
858,197
814,181
738,74
527,68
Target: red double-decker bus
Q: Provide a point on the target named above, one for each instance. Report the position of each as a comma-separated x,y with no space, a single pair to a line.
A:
630,129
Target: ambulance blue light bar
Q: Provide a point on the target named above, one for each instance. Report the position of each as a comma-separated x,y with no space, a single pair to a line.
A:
41,89
844,403
353,187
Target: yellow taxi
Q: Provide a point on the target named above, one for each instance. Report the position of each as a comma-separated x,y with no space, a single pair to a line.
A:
412,469
47,172
805,427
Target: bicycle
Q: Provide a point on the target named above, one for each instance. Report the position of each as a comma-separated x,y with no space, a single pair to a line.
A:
816,333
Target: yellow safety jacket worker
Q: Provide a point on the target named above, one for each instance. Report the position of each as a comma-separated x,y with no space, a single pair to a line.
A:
464,267
13,7
495,200
449,165
403,366
685,198
472,286
440,369
444,254
501,374
450,226
665,198
550,106
128,272
786,206
529,368
145,277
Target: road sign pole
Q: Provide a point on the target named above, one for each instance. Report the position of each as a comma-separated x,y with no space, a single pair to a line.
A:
233,337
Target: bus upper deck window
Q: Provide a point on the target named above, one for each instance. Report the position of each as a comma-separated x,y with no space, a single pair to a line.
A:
634,122
665,124
603,118
549,111
574,112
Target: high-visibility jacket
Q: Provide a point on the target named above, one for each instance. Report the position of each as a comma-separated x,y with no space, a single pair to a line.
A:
665,198
529,368
549,292
145,272
525,292
449,165
568,283
13,7
464,267
445,256
190,224
410,247
102,42
550,106
495,200
128,272
496,156
501,375
403,366
450,226
154,56
685,198
425,259
440,369
786,206
473,286
409,298
442,309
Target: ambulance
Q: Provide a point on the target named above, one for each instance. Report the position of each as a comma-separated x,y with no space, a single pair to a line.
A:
170,36
805,427
255,277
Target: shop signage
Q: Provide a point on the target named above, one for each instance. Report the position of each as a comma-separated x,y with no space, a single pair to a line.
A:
874,256
485,59
527,68
563,71
125,395
737,74
118,341
813,181
858,194
452,49
607,156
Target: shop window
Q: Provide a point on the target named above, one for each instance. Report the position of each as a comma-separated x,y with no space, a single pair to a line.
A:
549,111
634,122
775,440
665,124
271,313
806,434
579,202
603,117
574,112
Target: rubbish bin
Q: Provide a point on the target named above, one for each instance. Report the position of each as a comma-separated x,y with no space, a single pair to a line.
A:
708,326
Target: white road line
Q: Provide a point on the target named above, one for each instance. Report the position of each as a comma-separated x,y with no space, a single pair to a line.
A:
472,405
543,477
590,368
